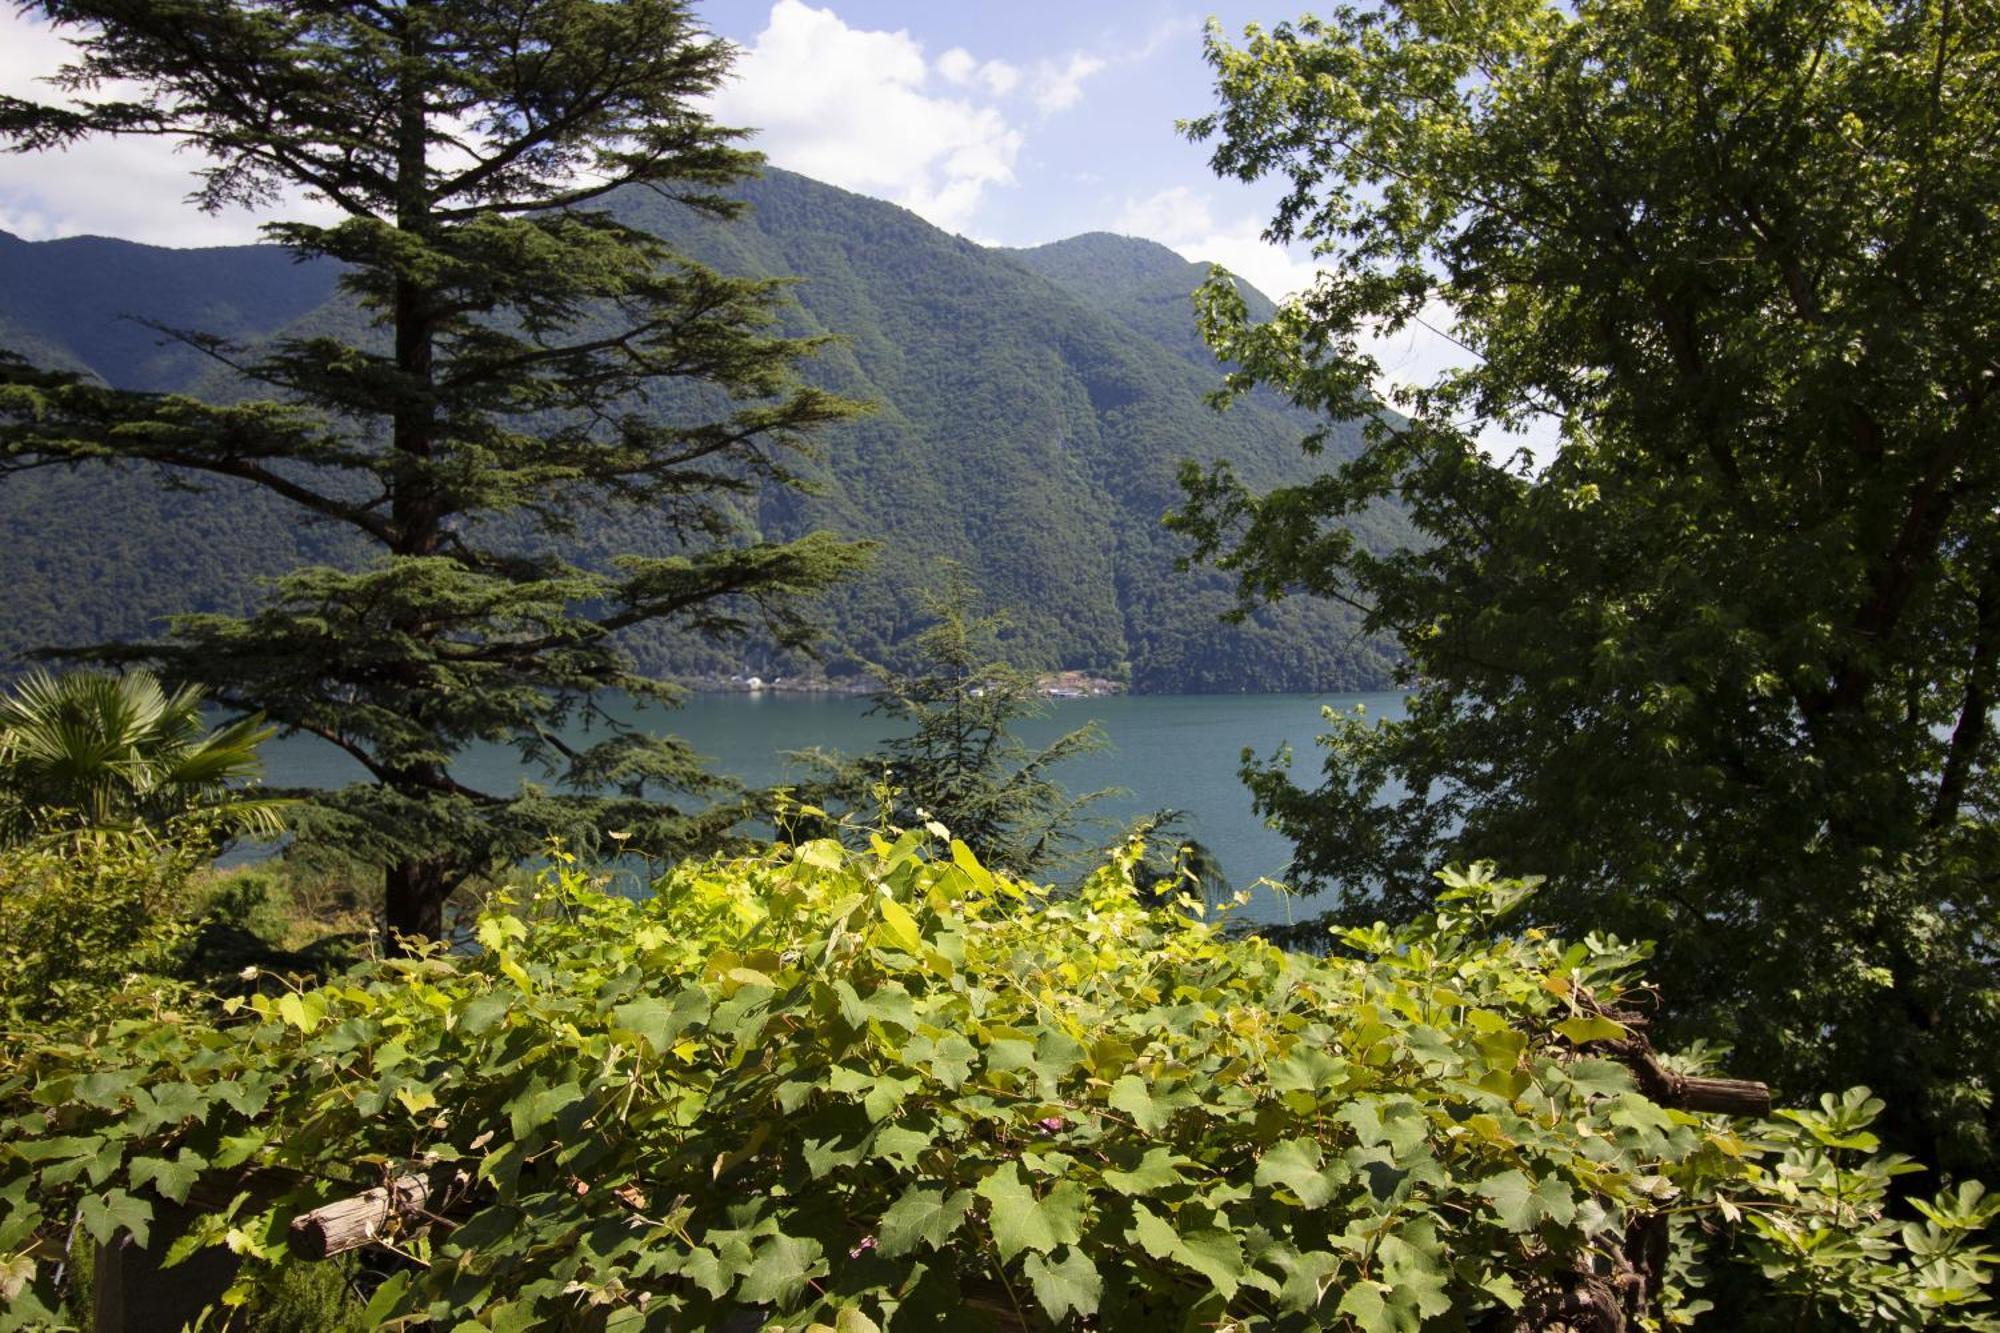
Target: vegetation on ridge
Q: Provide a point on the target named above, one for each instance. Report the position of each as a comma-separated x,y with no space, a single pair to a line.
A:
1027,428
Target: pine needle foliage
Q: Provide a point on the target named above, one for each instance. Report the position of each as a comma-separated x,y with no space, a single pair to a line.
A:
961,765
531,362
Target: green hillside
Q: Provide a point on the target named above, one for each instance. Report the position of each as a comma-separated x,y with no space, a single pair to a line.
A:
1142,284
1033,408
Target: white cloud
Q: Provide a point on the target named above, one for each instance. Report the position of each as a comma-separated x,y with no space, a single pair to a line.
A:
131,187
851,106
960,66
1058,84
1184,220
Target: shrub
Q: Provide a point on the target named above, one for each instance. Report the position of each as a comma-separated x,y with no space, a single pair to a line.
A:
888,1088
86,914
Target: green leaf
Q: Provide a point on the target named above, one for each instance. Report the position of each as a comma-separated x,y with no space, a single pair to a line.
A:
779,1270
1363,1303
1555,1200
1413,1265
1217,1255
1155,1172
953,1060
104,1216
659,1020
1595,1027
901,1144
1071,1286
901,927
922,1217
1021,1221
385,1300
1131,1095
1214,1253
297,1013
237,1149
1513,1200
482,1012
849,1319
172,1179
1599,1078
1398,1122
1637,1112
1153,1234
58,1147
1294,1165
1306,1278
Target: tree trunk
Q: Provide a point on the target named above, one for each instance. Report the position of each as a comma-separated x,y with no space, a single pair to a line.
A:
413,901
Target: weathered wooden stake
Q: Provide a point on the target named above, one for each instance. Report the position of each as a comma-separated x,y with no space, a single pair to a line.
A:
349,1224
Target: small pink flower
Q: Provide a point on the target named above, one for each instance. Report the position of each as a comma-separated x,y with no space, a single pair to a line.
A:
1054,1124
867,1244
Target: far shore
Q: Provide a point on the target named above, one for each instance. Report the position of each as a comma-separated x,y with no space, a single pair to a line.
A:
1050,685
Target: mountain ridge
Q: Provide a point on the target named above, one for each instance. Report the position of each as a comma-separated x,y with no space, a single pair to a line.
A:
1033,409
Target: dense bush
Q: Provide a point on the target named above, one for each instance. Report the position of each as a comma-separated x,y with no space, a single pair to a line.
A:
888,1088
83,915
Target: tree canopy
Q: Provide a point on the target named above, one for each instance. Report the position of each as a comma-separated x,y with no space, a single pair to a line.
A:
1723,664
526,357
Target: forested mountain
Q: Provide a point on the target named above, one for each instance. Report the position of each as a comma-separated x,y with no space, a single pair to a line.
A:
1033,407
1142,284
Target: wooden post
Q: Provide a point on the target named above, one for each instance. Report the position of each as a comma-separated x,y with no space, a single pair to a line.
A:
349,1224
1724,1096
131,1293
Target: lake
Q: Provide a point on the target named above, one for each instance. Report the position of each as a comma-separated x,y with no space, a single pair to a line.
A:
1165,752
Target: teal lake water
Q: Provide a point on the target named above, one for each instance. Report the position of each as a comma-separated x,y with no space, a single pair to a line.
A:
1165,751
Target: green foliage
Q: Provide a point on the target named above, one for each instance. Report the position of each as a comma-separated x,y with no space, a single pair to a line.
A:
959,765
892,1089
83,916
1046,395
1725,669
309,1298
95,752
485,401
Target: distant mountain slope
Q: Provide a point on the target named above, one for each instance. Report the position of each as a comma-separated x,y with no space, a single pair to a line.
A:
1033,408
1141,283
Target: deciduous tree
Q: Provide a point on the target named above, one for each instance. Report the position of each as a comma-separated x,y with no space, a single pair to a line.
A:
1725,666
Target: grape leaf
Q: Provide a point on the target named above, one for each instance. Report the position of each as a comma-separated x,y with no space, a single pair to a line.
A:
172,1179
1154,1172
1020,1221
104,1216
1070,1286
922,1217
1295,1165
779,1270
